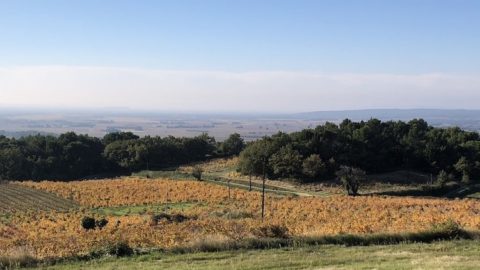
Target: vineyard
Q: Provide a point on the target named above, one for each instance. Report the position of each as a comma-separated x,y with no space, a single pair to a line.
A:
207,211
21,198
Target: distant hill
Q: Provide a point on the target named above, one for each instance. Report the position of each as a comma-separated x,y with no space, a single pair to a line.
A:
19,134
467,119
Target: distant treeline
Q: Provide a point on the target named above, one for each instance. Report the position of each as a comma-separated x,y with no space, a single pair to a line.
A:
373,146
72,156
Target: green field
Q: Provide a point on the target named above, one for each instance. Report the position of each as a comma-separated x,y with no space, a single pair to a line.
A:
142,209
439,255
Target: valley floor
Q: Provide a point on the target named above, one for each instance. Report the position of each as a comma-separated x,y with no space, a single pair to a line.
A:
463,254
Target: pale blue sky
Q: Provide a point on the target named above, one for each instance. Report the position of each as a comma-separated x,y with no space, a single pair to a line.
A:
42,42
340,36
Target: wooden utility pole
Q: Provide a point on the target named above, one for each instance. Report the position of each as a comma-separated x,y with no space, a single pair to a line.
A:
263,189
228,183
264,176
250,181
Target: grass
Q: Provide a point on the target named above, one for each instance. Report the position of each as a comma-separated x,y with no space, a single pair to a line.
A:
218,245
396,183
170,174
474,195
234,183
142,209
458,254
470,191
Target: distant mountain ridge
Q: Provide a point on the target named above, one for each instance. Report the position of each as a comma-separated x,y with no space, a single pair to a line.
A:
465,119
391,114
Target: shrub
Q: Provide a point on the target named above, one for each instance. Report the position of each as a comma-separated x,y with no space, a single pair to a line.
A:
101,223
466,178
154,219
120,249
210,243
271,231
442,178
177,218
232,214
449,227
197,173
88,223
19,257
351,179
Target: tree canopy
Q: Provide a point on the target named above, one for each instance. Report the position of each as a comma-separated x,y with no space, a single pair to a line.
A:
73,156
373,146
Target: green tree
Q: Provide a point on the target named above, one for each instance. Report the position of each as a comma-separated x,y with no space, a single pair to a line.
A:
130,155
254,160
12,164
464,167
248,164
232,146
313,166
199,147
286,162
118,136
442,178
351,179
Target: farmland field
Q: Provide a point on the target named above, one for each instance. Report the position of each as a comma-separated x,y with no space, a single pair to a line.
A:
208,213
20,198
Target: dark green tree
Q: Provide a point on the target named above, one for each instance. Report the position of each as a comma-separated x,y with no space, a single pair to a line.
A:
286,162
118,136
232,146
442,178
313,166
464,167
351,179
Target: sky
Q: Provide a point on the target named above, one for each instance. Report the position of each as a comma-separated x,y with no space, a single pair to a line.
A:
263,55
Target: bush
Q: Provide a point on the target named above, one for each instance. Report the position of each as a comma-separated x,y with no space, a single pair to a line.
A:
271,231
177,218
449,227
442,178
197,172
88,223
19,257
232,214
14,262
120,249
101,223
351,179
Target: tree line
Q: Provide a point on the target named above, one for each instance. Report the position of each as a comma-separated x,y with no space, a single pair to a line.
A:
372,146
311,154
73,156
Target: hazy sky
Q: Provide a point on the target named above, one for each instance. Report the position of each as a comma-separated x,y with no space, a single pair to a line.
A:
240,55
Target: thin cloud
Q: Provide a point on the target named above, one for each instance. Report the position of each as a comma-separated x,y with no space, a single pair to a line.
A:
232,91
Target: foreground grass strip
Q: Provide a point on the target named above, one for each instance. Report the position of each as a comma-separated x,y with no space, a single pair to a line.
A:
207,246
345,240
457,254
